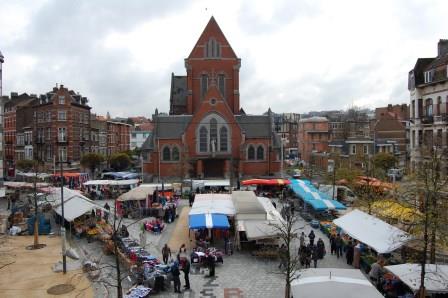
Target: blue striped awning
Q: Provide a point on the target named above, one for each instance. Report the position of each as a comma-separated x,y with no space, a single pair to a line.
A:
310,195
208,221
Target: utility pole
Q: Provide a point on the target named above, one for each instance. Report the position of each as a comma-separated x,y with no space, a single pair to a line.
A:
334,178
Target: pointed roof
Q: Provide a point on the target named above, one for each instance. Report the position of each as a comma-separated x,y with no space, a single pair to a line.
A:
212,30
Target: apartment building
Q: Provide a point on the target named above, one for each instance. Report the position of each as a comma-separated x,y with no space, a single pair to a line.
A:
428,87
62,126
313,140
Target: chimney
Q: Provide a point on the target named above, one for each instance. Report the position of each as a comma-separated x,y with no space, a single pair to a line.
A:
442,47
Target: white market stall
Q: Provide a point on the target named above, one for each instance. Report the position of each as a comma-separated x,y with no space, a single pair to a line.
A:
256,219
333,283
131,182
210,211
379,235
75,204
436,278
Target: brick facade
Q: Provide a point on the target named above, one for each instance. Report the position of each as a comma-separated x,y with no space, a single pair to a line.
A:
206,133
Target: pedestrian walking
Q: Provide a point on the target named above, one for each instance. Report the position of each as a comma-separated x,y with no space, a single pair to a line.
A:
191,198
211,265
349,253
308,253
377,271
332,244
302,255
315,255
302,239
166,253
106,213
338,245
186,270
176,277
321,248
282,254
357,255
311,236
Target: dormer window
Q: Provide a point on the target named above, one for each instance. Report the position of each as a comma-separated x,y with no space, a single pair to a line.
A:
429,75
212,49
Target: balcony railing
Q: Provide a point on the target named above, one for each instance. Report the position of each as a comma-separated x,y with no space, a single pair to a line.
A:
427,119
441,118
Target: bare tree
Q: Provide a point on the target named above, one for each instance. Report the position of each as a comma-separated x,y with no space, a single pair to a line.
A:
426,194
288,234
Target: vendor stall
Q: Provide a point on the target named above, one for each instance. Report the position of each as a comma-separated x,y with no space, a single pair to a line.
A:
377,234
109,189
119,175
436,278
73,180
267,187
148,200
333,283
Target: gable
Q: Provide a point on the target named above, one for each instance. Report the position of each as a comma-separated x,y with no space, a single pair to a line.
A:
212,31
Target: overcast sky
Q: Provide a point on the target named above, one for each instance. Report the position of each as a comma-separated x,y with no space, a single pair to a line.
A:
297,55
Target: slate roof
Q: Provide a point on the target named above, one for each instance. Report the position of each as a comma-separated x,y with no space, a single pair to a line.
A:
178,93
148,144
255,126
170,127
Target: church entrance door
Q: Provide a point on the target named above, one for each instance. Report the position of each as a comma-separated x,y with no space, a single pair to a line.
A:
214,168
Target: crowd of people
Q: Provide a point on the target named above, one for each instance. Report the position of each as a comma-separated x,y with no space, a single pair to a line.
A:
311,251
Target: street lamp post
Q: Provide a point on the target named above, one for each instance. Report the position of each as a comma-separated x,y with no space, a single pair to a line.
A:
64,259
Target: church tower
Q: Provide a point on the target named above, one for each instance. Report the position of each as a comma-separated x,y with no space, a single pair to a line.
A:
212,62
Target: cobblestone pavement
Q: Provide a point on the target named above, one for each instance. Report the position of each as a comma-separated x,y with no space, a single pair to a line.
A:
241,275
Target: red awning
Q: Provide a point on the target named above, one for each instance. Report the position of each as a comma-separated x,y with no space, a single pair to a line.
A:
272,182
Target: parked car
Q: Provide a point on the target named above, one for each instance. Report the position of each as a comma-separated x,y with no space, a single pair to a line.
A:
315,224
395,174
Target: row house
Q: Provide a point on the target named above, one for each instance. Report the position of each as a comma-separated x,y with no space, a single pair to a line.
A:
98,131
351,141
313,140
118,137
62,126
12,108
392,132
287,126
428,87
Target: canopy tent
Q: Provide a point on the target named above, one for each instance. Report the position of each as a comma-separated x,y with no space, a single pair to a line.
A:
247,206
112,182
208,221
213,204
209,183
310,195
142,192
41,176
436,278
120,175
15,184
372,231
264,227
75,204
332,283
271,182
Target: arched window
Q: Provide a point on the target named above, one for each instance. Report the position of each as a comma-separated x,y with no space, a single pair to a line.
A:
166,153
175,154
203,145
251,153
212,49
260,153
213,134
223,139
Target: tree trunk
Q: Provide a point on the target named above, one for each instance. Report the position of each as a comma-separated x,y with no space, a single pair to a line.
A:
117,260
425,250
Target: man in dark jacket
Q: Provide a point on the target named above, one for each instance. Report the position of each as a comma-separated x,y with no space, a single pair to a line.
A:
338,244
349,253
186,270
311,236
176,277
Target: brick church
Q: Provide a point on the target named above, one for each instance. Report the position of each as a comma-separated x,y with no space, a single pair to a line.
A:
207,134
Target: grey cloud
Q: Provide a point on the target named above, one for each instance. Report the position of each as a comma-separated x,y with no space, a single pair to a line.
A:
64,36
283,13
